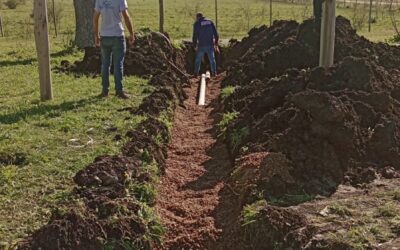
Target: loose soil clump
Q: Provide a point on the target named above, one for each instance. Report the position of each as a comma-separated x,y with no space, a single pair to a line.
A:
18,159
152,54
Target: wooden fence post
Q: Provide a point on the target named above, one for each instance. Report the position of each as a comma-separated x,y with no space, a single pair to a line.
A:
161,15
270,12
370,16
42,48
328,24
216,13
1,27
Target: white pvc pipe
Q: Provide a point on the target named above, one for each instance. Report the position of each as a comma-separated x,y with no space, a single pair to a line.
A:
208,75
202,96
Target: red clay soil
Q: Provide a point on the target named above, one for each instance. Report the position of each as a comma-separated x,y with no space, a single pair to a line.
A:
190,193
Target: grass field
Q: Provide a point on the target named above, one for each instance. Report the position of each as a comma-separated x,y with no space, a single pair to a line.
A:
42,131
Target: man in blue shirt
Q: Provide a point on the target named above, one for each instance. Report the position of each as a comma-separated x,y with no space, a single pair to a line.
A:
205,37
111,40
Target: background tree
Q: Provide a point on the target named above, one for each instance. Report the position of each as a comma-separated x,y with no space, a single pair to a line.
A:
84,23
161,5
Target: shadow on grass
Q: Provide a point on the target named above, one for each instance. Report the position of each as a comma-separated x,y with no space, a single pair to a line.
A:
48,110
64,52
17,62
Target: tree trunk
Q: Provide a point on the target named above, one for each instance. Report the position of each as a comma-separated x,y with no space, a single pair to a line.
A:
84,23
161,3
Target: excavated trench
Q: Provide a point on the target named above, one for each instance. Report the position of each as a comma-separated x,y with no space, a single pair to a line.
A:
196,169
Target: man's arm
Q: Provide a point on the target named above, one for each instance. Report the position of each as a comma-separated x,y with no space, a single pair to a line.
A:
194,37
96,34
129,25
216,35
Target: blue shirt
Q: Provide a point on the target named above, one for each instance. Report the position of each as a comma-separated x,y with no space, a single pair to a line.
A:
111,20
204,33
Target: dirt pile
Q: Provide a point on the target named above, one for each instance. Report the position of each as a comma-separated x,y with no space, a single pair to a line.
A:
269,52
301,130
152,54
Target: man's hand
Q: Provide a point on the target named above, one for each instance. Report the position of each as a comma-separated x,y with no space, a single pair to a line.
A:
96,17
131,40
97,41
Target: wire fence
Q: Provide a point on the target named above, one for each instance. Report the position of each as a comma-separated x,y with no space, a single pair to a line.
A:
235,17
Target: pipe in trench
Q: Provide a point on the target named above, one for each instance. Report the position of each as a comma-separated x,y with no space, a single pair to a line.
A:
202,96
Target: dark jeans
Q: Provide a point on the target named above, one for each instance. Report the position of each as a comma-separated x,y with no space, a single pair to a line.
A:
115,46
209,50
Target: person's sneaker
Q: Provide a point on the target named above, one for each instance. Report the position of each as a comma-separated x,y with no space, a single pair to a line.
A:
103,94
214,74
122,95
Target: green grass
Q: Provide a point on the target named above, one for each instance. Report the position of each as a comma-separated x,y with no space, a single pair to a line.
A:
236,17
43,132
340,209
356,237
396,194
388,210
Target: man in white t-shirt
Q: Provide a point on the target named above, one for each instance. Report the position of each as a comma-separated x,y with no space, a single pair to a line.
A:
112,41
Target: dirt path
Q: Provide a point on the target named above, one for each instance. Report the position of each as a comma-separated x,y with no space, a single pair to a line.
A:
190,193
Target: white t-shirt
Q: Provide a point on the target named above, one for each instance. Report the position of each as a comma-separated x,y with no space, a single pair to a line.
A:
111,21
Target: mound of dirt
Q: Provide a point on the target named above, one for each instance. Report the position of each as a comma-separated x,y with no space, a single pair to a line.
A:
269,52
280,228
152,54
302,130
324,122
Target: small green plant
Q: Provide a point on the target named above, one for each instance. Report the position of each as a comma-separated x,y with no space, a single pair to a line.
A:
227,119
250,212
237,137
387,210
227,91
